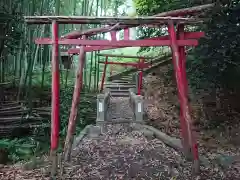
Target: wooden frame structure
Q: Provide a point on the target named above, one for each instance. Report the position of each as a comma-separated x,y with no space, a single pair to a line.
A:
139,65
177,40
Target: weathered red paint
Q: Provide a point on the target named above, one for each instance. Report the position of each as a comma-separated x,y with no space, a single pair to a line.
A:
113,36
187,35
182,92
55,122
182,64
120,43
137,65
104,73
126,34
185,82
75,102
140,65
181,35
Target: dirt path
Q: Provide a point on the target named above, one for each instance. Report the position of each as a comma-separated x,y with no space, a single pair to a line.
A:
126,155
120,109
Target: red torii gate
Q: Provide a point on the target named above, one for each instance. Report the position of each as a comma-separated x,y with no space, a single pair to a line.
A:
177,41
140,65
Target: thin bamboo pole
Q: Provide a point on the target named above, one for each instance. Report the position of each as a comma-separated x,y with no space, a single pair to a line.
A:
90,72
95,72
104,74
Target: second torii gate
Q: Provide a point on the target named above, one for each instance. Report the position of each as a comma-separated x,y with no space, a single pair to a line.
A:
139,65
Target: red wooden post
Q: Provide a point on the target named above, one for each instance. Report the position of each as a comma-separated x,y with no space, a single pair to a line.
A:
113,35
55,122
183,98
126,34
182,53
140,76
104,74
182,62
74,108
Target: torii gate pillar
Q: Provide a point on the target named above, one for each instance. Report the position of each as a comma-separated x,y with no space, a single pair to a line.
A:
55,119
178,55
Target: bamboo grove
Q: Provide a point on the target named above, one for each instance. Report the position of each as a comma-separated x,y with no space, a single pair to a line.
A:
25,68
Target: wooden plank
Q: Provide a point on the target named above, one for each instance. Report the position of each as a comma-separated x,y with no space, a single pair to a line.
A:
107,20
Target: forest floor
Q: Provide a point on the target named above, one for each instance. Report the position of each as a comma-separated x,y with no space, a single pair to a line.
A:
220,146
122,154
130,155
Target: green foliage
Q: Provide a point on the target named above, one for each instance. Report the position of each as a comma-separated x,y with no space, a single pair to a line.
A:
86,109
10,33
217,59
20,149
152,7
213,66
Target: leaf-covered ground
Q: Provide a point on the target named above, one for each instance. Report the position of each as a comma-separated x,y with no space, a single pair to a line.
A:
125,153
161,104
121,154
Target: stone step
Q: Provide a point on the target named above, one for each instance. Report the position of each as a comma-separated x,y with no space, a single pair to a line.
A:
126,78
119,91
120,81
120,84
119,94
112,87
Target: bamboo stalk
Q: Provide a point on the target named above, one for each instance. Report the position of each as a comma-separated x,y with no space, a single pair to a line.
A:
18,118
90,72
